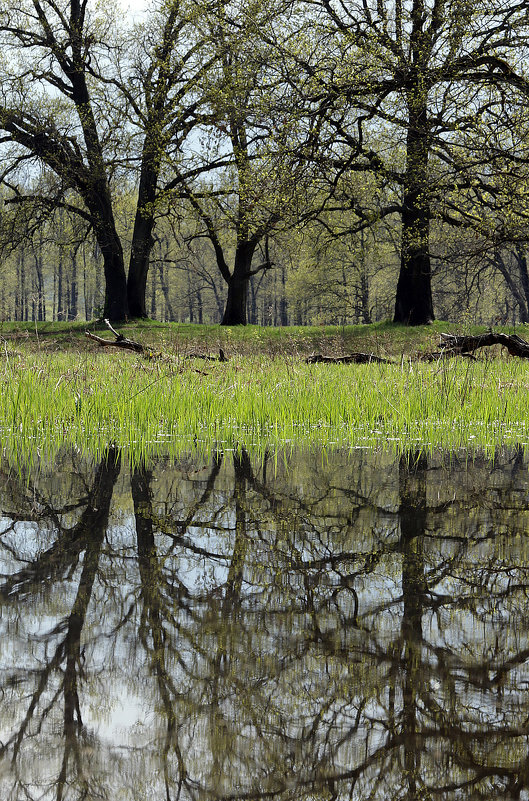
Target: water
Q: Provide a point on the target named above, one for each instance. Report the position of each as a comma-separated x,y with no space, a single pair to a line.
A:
308,626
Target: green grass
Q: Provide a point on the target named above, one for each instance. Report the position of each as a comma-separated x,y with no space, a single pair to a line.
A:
380,338
83,396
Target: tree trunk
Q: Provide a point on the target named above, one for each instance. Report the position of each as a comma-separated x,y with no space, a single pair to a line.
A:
116,306
252,312
200,310
524,278
235,311
142,235
20,292
97,196
74,290
413,303
60,293
153,295
88,305
164,283
142,243
283,315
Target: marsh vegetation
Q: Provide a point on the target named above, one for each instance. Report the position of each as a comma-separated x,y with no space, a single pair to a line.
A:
264,396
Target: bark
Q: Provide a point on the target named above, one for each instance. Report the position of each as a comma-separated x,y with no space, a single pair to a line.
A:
116,307
74,290
235,312
142,240
200,306
159,81
87,296
169,311
283,315
41,299
119,342
413,302
454,345
524,278
60,291
20,291
153,295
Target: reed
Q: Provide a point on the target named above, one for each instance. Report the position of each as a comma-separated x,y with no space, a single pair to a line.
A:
49,401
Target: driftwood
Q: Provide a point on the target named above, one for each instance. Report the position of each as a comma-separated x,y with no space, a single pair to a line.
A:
119,342
462,345
220,358
351,358
129,344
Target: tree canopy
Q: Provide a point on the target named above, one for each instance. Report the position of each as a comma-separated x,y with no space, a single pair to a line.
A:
243,124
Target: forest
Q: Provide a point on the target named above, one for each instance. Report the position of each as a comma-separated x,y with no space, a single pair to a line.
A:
291,162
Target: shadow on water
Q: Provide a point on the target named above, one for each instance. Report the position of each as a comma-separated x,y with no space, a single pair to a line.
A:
347,627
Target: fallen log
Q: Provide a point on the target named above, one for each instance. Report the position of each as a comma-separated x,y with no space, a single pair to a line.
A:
220,358
351,358
463,345
119,342
129,344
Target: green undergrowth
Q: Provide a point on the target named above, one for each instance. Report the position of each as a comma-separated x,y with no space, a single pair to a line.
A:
85,400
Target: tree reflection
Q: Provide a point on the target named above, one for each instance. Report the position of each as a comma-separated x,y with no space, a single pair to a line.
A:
353,628
60,648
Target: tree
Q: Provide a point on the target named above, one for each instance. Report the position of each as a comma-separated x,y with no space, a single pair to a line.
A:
249,176
170,109
401,85
78,103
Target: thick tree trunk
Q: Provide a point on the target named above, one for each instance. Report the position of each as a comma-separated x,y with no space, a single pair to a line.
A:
413,303
235,311
116,306
96,194
142,243
142,238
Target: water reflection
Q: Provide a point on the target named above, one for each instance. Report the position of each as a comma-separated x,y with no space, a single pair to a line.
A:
347,626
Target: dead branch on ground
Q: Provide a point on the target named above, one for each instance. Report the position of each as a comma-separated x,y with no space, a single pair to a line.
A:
351,358
120,341
464,345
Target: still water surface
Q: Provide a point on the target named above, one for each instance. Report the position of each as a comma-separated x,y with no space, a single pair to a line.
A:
351,625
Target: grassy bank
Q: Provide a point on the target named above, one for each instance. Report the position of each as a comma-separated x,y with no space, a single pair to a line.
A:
73,393
382,339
